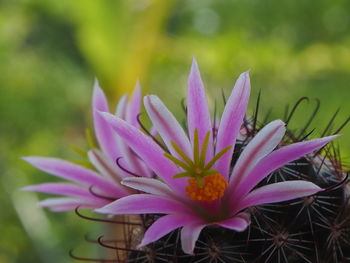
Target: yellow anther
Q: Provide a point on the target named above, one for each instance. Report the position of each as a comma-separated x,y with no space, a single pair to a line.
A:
213,188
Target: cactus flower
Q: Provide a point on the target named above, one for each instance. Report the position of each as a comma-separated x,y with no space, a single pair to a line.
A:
198,186
93,188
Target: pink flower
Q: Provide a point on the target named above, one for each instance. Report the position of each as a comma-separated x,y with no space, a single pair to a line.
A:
98,187
214,194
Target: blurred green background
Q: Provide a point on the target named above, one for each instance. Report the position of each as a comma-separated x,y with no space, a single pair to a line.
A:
51,51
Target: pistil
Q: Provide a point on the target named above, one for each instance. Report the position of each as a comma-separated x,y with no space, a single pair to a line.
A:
204,184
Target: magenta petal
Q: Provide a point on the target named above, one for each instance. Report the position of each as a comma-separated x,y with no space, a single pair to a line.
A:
148,185
166,125
73,172
198,115
59,189
148,151
144,204
63,204
163,226
189,236
231,121
261,145
276,160
279,192
104,134
238,223
133,108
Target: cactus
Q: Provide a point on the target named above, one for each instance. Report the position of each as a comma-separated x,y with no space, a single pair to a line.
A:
311,229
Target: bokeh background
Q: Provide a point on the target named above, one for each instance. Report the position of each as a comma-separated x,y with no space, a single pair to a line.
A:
51,51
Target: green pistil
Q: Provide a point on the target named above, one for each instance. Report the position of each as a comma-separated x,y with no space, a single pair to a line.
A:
197,168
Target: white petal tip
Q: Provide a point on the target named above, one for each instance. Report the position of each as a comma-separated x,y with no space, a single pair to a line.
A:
106,115
194,67
96,85
326,140
334,136
278,123
137,86
140,245
30,159
102,211
150,99
26,188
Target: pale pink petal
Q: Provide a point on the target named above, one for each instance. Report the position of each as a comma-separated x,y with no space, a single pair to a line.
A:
105,168
238,223
74,172
153,131
103,165
149,151
167,125
109,142
189,236
231,122
144,204
279,192
261,145
274,161
59,189
148,185
198,115
104,134
164,226
133,108
63,204
132,162
121,108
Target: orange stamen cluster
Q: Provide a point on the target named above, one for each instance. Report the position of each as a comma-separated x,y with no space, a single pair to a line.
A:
205,183
213,188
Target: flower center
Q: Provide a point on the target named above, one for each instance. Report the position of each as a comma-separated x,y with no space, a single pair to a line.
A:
205,184
213,188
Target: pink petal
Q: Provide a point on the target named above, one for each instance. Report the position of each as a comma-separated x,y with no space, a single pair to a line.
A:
144,204
149,151
73,172
103,165
189,236
121,108
166,125
109,141
279,192
148,185
198,115
132,162
133,108
105,168
274,161
63,204
261,145
238,223
129,112
60,189
164,226
231,121
104,134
